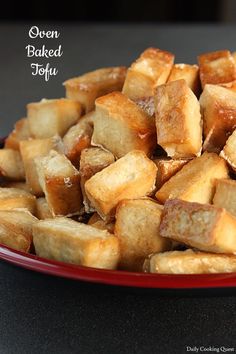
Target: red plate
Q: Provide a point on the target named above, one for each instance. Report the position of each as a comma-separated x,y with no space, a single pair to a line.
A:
141,280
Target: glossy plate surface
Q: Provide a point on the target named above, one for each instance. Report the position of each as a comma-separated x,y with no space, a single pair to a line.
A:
142,280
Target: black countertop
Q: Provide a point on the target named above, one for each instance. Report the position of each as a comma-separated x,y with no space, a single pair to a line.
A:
44,314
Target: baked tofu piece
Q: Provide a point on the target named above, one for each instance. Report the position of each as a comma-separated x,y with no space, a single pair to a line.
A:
15,198
121,126
73,242
229,151
190,262
20,132
52,117
92,160
195,182
216,67
202,226
137,228
189,73
166,168
42,209
146,104
230,85
60,182
151,69
88,87
11,165
132,176
218,106
30,149
178,120
78,138
98,222
16,229
225,196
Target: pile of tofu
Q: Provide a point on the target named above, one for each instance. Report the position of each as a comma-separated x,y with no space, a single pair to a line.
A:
134,170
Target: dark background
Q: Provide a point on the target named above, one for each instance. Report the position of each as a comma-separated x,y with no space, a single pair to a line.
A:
121,10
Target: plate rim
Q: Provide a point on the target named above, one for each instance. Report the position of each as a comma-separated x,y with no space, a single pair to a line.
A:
117,277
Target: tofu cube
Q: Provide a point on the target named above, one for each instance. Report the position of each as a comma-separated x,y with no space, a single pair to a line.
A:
225,195
92,161
218,106
147,105
229,151
196,181
78,138
151,69
202,226
120,126
178,120
132,176
42,209
31,149
166,168
189,73
98,222
88,87
11,165
69,241
190,262
60,182
52,117
20,132
133,218
216,67
16,229
15,198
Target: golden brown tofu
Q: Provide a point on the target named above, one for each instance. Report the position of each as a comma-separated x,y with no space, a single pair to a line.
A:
121,126
15,198
78,138
11,165
225,196
195,182
98,222
73,242
202,226
216,67
230,85
42,209
137,228
30,149
190,262
229,151
189,73
88,87
178,120
92,161
151,69
52,117
20,132
218,106
146,104
60,182
16,229
132,176
166,168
